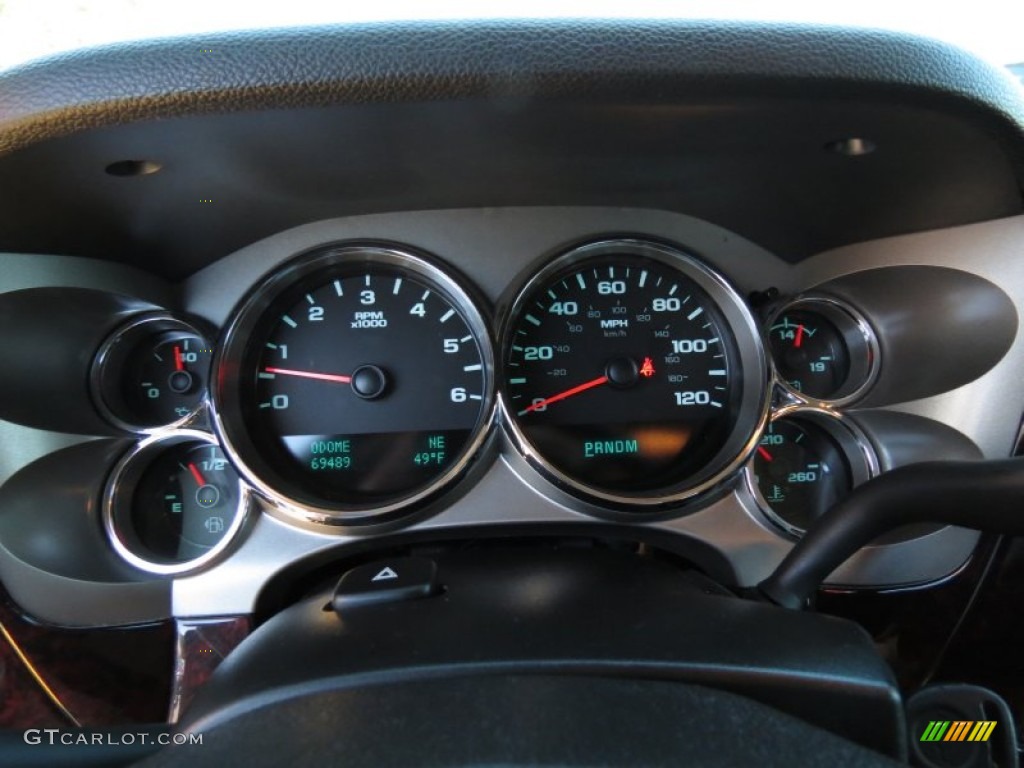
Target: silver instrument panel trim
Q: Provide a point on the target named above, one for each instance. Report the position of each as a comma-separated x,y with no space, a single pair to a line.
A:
491,247
511,238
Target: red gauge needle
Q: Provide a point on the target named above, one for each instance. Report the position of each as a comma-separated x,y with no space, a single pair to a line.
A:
568,393
799,336
196,474
764,454
179,363
337,377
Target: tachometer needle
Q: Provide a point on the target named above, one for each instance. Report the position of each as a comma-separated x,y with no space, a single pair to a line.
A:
568,393
764,453
799,336
336,377
196,474
179,362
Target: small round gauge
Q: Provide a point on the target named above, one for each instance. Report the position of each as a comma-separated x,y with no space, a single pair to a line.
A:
174,503
823,350
632,374
355,382
804,465
152,372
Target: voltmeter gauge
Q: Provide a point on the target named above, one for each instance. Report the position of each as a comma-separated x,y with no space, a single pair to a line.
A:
823,350
152,372
174,503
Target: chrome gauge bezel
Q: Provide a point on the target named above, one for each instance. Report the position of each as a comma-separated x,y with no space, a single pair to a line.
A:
857,450
754,402
118,497
136,328
226,406
861,343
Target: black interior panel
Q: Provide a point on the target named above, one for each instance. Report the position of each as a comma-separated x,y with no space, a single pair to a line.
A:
728,123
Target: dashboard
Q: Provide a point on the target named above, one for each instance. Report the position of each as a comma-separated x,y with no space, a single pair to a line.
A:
263,460
277,305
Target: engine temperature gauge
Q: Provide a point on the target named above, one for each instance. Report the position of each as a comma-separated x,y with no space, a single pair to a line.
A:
805,463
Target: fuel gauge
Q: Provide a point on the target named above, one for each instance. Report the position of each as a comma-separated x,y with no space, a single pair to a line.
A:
174,503
152,372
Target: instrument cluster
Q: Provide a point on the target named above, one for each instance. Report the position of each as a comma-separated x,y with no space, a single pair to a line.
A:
359,382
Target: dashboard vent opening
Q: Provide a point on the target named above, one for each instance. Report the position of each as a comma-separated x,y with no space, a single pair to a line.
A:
854,146
133,168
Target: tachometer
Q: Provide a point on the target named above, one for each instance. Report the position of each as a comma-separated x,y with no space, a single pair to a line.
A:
632,374
355,382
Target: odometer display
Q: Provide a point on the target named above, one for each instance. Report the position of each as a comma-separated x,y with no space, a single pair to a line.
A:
622,373
364,382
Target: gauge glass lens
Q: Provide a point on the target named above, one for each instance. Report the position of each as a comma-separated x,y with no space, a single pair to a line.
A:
621,372
363,385
165,377
801,471
810,353
184,503
153,372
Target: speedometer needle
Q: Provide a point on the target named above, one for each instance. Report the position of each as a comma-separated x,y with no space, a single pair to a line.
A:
336,377
567,393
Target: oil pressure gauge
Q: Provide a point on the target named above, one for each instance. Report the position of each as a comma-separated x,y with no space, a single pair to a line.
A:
152,372
823,350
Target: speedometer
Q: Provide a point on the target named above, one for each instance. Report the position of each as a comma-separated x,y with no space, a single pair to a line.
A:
633,374
355,382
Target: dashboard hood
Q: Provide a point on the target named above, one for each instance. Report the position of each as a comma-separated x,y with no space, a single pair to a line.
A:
739,124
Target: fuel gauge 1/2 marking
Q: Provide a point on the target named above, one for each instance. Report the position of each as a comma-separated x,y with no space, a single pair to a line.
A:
823,350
